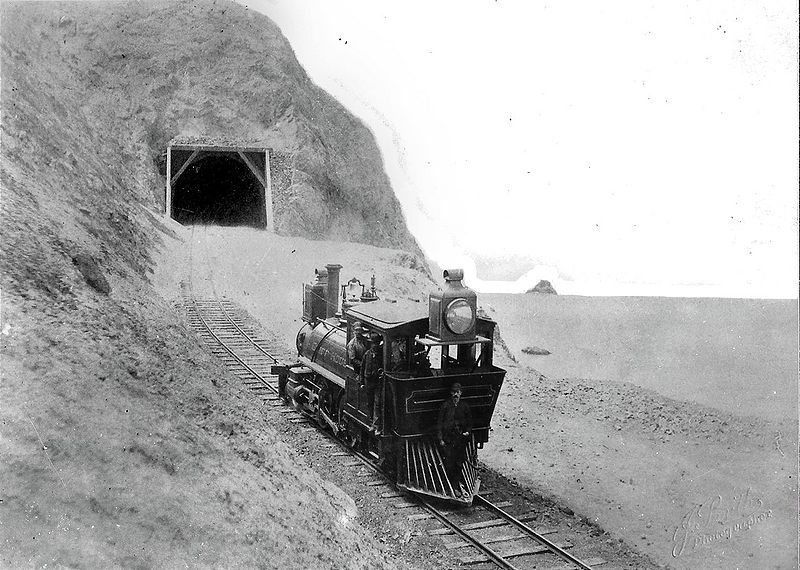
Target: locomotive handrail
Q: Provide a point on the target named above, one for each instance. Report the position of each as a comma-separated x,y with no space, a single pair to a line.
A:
409,375
430,341
322,371
319,344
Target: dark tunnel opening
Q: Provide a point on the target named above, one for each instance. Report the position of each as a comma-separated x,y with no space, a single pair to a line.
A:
221,190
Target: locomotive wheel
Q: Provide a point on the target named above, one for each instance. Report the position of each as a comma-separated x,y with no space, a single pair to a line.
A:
352,440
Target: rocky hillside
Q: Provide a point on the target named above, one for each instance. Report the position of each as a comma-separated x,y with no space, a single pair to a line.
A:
123,443
144,73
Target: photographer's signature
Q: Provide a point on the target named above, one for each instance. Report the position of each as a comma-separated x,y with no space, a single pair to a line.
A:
717,520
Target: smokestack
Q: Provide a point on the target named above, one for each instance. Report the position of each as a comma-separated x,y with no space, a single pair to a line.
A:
332,295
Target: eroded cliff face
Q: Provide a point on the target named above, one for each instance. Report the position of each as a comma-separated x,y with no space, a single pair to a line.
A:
124,442
146,72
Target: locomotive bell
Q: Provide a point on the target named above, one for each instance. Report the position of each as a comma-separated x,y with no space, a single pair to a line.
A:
452,312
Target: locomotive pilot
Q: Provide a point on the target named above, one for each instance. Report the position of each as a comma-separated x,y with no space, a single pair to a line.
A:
356,349
453,430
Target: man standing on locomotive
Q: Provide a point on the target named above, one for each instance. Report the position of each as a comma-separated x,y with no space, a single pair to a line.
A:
356,349
453,429
371,373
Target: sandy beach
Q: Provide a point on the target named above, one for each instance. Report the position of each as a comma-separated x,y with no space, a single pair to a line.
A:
735,355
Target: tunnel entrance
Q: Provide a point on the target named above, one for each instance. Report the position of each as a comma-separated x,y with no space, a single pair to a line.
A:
219,190
218,184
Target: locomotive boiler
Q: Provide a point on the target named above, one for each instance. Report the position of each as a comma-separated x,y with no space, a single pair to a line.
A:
421,355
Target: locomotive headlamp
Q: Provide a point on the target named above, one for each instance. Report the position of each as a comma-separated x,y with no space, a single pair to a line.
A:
452,312
354,289
459,316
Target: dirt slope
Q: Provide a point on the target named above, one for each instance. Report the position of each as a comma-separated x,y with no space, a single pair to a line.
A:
123,443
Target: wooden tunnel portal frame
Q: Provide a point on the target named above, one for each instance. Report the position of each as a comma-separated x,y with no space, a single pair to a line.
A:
197,151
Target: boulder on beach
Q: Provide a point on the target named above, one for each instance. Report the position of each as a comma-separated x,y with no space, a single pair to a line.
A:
543,286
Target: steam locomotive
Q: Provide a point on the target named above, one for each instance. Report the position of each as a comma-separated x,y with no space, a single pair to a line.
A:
422,355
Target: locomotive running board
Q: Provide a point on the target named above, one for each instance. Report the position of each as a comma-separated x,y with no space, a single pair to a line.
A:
425,473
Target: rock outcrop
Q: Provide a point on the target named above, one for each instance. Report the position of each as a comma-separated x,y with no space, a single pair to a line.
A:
535,351
543,286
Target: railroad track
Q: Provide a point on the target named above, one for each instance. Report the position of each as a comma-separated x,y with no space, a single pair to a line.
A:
488,533
228,335
485,533
504,538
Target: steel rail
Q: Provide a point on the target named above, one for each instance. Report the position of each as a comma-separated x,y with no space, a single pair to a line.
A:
228,349
219,303
532,533
486,550
243,332
491,554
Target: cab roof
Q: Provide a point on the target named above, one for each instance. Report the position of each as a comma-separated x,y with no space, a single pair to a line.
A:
398,318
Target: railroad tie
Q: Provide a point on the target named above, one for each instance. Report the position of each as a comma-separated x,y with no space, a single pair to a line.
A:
518,551
420,516
456,510
499,522
405,505
588,561
503,538
502,504
486,524
392,495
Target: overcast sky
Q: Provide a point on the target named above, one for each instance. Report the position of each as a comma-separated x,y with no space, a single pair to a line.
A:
610,147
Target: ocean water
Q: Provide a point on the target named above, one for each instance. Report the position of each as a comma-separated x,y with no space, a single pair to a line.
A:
738,355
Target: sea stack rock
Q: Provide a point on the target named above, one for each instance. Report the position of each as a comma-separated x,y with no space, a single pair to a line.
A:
543,286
